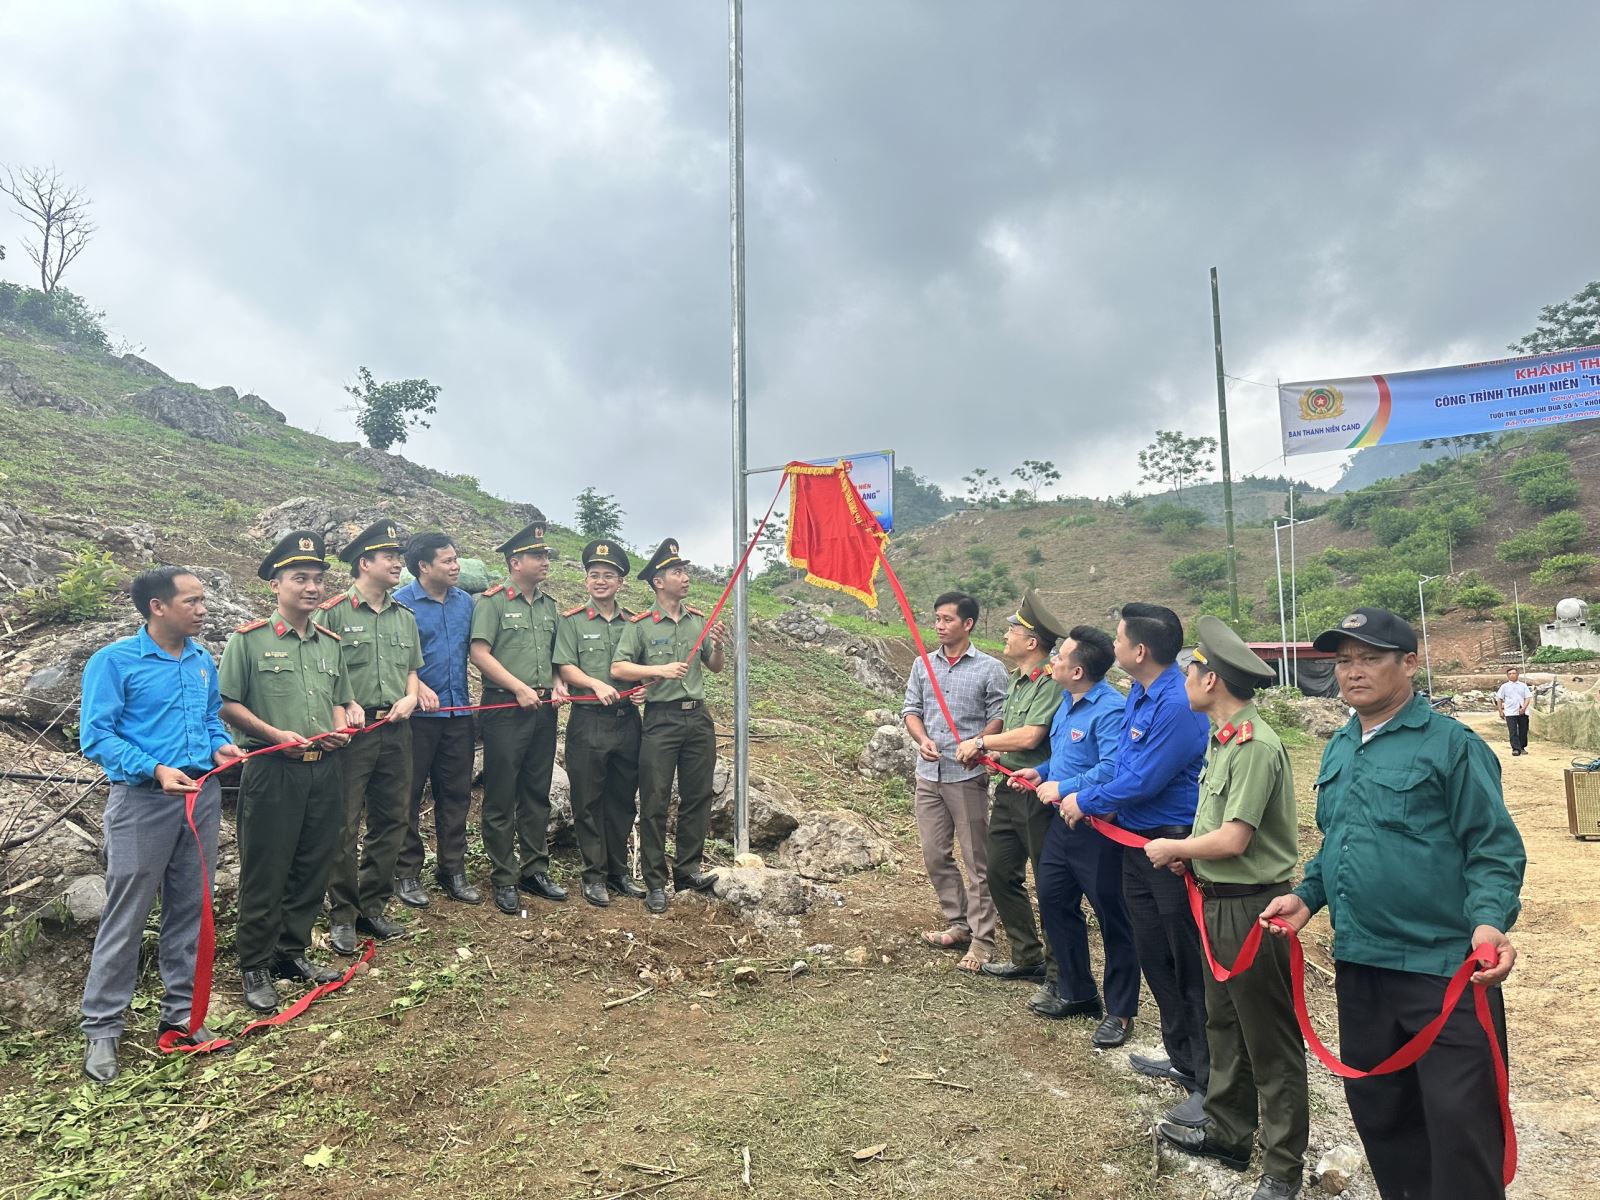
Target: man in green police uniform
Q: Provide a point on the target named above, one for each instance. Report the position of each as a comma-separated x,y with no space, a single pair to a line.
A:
281,682
1243,851
603,733
678,734
379,651
513,638
1018,822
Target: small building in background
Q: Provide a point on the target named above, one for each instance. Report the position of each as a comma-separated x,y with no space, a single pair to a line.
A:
1571,630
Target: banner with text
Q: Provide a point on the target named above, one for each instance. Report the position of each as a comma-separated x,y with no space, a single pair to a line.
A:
1411,406
873,474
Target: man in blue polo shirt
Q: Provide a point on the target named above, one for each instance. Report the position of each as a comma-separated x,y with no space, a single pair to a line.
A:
441,742
1154,792
1076,861
151,719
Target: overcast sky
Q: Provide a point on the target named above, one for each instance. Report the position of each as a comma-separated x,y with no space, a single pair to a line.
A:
977,232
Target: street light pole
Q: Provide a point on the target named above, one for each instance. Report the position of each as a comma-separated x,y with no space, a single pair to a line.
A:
1422,607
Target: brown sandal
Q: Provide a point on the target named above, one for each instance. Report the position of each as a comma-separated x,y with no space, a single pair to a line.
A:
971,963
945,939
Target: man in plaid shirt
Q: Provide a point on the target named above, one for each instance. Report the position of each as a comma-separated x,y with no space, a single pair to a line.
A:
952,799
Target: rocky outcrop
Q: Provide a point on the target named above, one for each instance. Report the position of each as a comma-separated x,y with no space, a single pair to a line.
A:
828,844
41,683
879,664
135,365
889,753
16,384
254,406
766,895
199,414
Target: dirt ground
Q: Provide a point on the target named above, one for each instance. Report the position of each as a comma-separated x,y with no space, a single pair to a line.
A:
588,1053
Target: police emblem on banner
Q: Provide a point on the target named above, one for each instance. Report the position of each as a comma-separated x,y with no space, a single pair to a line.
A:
1321,403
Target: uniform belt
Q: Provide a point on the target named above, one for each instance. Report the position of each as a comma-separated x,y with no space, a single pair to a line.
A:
621,709
1164,831
1230,891
314,755
542,693
683,705
379,714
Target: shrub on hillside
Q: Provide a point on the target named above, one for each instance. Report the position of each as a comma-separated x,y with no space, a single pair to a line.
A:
1172,520
1561,654
1551,490
1198,571
1561,531
1564,568
1524,547
1530,618
79,593
1391,525
1427,551
1480,598
58,314
1354,562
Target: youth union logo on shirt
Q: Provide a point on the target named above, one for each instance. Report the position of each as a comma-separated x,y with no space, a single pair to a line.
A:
1135,734
1077,735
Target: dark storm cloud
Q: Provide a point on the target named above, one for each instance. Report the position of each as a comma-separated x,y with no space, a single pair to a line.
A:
977,233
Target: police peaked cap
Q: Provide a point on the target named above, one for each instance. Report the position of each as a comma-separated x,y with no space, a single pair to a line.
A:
1033,616
529,540
666,555
1223,652
607,554
300,548
380,535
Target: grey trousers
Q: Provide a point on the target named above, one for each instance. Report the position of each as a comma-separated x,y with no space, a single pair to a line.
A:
149,851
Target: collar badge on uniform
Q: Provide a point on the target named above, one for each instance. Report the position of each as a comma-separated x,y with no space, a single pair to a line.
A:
279,627
1225,734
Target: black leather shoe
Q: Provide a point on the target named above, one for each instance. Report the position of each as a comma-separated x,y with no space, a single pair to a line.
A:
1044,993
1058,1009
595,894
694,883
1191,1112
540,884
1273,1188
100,1059
259,993
342,938
409,890
301,967
1112,1032
505,899
1162,1068
1012,970
656,900
624,886
380,927
1200,1144
459,887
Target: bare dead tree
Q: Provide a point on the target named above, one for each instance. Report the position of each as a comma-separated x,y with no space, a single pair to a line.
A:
59,215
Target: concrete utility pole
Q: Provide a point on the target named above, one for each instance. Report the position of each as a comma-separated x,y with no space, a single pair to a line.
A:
1227,473
741,516
1422,608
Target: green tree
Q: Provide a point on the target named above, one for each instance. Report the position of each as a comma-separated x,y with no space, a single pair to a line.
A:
1036,476
917,502
1480,598
1199,571
1561,531
598,516
1553,489
385,412
984,490
1172,520
1564,568
1176,460
1565,326
1530,618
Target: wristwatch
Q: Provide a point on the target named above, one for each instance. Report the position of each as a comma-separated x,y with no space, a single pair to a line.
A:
978,741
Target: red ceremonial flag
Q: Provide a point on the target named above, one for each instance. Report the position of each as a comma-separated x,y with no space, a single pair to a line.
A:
833,536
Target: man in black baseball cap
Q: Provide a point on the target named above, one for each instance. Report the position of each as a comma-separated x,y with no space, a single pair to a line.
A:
1420,863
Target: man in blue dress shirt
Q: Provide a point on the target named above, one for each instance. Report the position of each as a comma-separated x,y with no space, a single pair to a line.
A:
441,742
1154,792
1077,862
150,718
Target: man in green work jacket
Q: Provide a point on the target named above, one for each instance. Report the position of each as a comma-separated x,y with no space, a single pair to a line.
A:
513,639
603,733
1243,851
1420,864
1018,821
281,682
380,651
678,734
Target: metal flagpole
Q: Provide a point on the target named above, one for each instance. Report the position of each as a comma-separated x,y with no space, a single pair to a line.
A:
1294,591
1227,472
741,517
1283,614
1516,605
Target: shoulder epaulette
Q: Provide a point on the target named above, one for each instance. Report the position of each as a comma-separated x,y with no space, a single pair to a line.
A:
637,617
326,630
249,625
574,610
331,602
692,610
495,590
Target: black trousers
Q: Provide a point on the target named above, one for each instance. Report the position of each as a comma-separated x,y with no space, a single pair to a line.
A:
1519,731
1018,823
1079,863
1432,1131
519,758
1170,957
441,755
681,742
603,766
